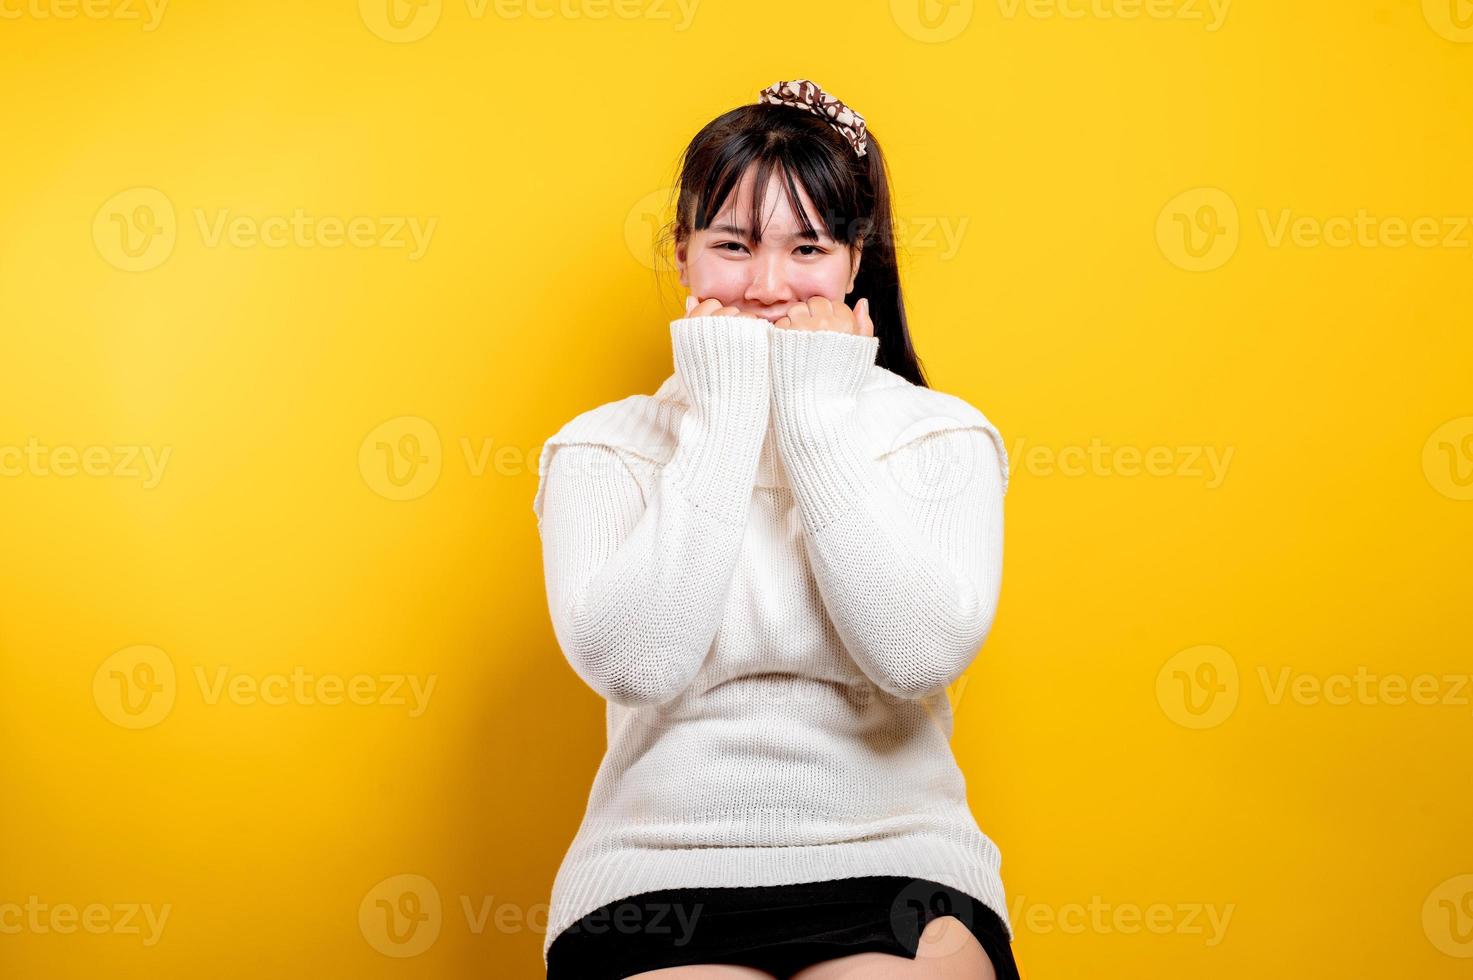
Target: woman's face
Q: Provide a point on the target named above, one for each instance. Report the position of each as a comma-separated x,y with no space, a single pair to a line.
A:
722,262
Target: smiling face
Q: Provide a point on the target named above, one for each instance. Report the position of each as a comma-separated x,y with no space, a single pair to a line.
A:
724,262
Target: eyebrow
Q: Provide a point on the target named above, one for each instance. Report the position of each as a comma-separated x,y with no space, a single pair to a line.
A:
812,236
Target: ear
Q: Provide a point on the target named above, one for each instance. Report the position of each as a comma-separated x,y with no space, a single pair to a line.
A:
680,257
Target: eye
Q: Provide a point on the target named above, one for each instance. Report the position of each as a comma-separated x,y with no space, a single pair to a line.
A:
815,250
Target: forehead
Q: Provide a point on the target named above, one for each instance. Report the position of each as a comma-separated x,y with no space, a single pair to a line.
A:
777,211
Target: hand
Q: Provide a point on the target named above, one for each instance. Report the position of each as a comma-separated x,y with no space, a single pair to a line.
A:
821,313
712,307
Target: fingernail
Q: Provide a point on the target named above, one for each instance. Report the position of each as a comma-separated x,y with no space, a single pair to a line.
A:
690,303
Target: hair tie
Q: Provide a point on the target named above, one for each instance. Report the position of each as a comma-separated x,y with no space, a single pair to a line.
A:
803,94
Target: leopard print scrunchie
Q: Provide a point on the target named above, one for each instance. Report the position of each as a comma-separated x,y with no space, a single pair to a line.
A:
803,94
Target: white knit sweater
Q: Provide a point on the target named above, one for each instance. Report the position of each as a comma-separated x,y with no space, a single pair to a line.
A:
771,569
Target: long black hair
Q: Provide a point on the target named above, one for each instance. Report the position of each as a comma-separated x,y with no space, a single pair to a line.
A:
851,193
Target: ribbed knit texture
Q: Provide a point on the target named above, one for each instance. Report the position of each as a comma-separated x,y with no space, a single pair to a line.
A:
771,570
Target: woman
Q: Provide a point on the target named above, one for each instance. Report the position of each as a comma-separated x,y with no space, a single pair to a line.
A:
772,569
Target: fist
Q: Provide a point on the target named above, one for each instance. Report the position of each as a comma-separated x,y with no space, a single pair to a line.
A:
713,307
821,313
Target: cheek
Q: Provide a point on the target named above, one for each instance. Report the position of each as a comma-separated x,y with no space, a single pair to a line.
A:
831,280
826,279
713,278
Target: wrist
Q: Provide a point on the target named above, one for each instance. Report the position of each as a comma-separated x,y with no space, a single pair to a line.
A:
721,359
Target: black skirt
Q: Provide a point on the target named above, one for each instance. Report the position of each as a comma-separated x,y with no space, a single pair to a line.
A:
777,928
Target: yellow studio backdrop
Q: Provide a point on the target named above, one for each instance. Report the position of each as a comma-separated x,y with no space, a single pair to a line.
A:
292,293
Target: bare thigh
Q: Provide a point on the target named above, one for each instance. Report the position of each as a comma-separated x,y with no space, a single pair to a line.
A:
704,971
947,951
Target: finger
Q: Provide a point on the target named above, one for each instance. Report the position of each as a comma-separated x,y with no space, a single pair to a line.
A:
706,307
690,303
866,325
785,322
821,305
848,322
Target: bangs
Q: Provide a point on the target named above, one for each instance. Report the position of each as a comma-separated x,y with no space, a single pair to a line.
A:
834,193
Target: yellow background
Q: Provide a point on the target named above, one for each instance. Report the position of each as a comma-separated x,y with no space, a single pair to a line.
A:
1068,156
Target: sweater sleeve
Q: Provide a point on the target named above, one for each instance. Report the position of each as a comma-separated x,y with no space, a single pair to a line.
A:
906,550
636,587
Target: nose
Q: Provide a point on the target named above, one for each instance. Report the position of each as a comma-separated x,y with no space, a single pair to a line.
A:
768,286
